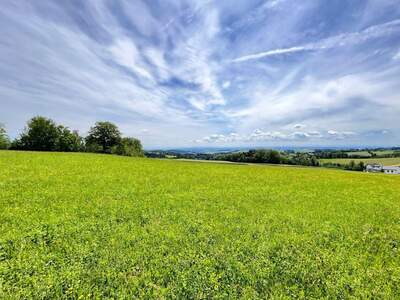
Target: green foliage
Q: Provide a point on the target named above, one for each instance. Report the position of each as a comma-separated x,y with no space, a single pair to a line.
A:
103,134
69,141
268,157
4,140
40,134
252,156
128,147
351,166
84,226
43,134
304,159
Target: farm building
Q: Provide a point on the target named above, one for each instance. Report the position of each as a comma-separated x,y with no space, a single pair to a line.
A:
374,168
391,170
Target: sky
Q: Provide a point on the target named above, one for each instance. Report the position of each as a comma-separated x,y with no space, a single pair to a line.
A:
206,73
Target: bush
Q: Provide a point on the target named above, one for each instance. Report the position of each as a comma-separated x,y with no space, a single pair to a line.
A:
128,147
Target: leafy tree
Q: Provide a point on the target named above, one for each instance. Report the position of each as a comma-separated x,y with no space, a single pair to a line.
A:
267,156
105,135
40,134
129,147
304,159
68,141
4,141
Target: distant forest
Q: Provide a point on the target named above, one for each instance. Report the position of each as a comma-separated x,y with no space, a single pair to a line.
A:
288,157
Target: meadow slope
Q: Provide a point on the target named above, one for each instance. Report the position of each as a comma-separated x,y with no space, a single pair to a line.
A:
97,226
389,161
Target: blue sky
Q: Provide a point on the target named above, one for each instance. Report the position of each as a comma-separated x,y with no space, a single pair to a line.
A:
206,73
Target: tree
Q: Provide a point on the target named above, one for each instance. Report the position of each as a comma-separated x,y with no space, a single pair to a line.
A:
4,141
105,135
40,134
68,141
128,147
267,156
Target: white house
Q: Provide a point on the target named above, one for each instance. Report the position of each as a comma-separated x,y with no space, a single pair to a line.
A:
374,168
391,170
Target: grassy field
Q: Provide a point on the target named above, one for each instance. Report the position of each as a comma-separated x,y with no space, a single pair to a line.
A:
361,153
83,226
391,161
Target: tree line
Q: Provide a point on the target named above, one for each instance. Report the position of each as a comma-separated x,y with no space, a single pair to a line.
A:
267,156
270,157
44,134
369,153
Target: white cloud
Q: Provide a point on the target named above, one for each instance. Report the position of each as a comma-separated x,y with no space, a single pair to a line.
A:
333,102
260,136
397,56
331,42
340,135
226,84
271,53
273,3
166,67
126,54
299,126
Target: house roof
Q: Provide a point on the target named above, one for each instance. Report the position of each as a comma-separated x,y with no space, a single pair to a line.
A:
392,168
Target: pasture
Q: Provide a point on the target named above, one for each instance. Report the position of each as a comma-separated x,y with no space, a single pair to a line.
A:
390,161
90,226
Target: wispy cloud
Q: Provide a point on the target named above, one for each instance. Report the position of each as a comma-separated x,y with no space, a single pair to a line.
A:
341,40
397,56
163,71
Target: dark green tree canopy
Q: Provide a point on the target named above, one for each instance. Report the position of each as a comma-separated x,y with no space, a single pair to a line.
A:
40,134
129,147
69,141
104,134
43,134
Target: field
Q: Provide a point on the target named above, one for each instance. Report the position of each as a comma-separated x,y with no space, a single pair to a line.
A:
391,161
86,226
361,153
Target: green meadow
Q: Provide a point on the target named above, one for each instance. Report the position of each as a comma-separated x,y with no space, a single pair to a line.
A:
91,226
390,161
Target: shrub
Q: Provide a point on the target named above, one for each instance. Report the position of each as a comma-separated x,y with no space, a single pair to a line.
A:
128,147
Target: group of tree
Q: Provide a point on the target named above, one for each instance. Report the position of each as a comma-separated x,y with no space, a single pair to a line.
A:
268,156
43,134
351,166
357,153
328,154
